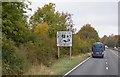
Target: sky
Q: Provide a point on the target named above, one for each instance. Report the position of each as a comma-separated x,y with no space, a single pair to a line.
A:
101,14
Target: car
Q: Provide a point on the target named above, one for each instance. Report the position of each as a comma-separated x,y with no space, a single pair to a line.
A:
106,46
98,49
115,48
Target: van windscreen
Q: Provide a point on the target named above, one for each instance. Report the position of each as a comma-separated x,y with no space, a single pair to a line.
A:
97,46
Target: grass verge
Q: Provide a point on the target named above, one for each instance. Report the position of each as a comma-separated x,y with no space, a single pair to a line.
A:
60,67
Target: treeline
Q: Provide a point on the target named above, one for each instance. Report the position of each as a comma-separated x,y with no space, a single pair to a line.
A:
25,44
111,40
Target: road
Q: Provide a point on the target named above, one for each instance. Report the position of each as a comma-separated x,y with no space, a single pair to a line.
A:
99,66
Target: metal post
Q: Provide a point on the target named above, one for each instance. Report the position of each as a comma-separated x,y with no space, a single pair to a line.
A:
70,52
58,52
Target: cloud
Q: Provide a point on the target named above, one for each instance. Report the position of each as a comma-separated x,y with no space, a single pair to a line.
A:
102,15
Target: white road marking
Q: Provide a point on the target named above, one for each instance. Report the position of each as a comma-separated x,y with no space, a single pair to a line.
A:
76,66
107,68
106,63
105,60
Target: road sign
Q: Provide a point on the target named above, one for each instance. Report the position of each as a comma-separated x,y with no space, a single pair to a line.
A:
64,38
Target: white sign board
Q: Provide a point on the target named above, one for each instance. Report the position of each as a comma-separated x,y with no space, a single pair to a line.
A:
64,38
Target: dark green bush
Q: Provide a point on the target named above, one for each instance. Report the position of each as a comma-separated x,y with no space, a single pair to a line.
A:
13,60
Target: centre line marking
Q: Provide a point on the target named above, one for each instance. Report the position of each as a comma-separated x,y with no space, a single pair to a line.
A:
106,63
107,68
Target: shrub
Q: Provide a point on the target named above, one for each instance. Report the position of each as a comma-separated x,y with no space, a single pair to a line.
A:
14,60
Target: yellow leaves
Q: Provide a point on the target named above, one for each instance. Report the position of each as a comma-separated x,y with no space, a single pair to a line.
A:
41,29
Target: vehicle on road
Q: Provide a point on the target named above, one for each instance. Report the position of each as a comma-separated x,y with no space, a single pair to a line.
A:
116,48
106,46
98,49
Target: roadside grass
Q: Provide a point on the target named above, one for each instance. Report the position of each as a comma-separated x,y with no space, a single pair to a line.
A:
0,70
59,67
0,66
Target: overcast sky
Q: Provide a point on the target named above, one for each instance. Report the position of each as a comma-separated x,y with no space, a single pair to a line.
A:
103,16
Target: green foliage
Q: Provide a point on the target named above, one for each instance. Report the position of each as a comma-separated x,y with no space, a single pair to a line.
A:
22,46
77,44
88,35
111,41
46,22
41,51
14,21
14,32
55,20
88,32
80,45
14,60
45,51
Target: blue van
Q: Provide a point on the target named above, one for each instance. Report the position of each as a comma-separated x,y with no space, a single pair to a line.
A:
98,49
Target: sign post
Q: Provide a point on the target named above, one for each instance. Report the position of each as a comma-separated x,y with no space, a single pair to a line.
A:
64,39
70,52
58,52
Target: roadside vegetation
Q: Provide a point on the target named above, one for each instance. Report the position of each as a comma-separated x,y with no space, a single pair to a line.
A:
111,41
59,67
27,45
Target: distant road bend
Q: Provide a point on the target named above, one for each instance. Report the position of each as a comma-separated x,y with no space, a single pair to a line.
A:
98,67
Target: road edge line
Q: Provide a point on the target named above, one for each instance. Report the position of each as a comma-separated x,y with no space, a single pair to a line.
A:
76,66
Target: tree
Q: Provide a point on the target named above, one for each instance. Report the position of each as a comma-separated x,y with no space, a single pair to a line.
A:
14,31
55,20
104,39
79,45
118,43
69,21
110,43
14,21
111,40
88,32
41,29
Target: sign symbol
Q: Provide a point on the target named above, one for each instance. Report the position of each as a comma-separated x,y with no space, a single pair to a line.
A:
63,36
66,40
67,36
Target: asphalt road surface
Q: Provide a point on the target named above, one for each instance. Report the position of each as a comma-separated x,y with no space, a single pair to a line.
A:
99,66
